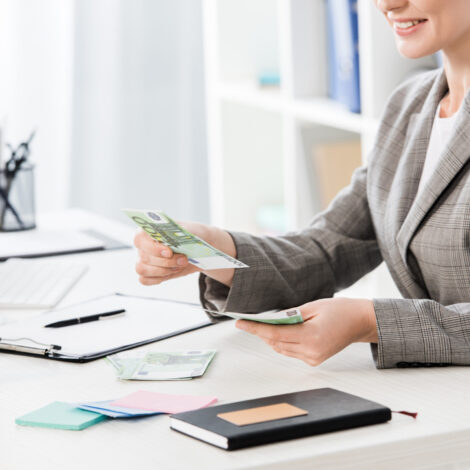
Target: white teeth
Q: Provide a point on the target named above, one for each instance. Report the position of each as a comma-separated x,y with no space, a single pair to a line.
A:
407,24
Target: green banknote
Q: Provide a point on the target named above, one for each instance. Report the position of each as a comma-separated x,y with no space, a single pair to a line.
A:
166,231
119,362
179,365
286,317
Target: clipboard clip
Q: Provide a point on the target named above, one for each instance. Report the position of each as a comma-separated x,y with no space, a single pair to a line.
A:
40,349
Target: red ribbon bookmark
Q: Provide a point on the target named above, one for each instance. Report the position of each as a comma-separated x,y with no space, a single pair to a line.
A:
407,413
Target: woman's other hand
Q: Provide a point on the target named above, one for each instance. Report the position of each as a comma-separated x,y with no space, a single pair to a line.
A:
329,326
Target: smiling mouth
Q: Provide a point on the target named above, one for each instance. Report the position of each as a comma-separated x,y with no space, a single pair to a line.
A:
407,24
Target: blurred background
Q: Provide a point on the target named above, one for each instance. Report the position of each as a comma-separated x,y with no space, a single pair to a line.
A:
248,114
115,89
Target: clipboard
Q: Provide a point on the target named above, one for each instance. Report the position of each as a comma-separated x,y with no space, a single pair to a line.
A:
146,320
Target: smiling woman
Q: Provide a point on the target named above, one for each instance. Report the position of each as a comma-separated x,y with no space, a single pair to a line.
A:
410,207
423,27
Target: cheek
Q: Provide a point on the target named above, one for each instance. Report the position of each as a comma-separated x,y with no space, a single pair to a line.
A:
449,19
455,22
427,41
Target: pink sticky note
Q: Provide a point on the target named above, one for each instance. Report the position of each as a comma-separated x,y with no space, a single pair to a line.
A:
152,401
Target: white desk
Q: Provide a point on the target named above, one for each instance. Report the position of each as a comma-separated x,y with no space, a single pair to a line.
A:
243,368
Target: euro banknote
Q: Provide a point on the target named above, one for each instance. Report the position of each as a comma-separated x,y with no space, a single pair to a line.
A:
285,317
165,230
178,365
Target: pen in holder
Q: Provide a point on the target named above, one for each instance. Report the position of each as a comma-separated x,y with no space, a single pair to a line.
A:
17,211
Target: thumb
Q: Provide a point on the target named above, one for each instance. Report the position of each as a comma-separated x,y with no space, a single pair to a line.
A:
307,310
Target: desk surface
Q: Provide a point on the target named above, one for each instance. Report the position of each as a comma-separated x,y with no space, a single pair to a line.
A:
243,368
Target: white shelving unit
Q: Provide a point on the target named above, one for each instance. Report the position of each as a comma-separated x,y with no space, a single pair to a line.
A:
260,140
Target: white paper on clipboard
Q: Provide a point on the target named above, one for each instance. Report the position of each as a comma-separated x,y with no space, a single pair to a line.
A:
145,318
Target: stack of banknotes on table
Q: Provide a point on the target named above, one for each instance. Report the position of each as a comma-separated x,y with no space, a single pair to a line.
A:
181,365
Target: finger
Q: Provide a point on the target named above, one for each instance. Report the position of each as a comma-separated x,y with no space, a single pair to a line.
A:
146,270
149,280
143,241
177,261
307,313
297,351
281,347
152,281
284,333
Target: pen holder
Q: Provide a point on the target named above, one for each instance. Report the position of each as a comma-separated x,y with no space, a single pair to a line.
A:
17,199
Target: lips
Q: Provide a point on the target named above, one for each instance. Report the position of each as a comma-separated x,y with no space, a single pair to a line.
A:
407,26
407,23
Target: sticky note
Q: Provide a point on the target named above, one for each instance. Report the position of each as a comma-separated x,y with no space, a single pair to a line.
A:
60,415
262,414
162,402
105,408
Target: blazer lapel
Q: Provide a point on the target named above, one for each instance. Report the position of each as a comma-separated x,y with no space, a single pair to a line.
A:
455,155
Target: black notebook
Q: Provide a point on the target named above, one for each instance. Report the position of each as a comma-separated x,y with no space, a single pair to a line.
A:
280,417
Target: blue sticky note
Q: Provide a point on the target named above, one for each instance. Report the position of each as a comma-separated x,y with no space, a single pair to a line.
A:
113,411
60,415
110,413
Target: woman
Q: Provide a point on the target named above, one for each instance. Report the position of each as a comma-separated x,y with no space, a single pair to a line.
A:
409,207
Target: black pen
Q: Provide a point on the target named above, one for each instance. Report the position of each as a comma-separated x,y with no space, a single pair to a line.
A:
86,319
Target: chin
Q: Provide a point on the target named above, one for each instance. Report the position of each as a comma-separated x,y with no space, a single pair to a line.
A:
414,51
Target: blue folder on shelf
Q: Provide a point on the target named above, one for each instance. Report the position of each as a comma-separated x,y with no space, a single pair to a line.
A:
343,53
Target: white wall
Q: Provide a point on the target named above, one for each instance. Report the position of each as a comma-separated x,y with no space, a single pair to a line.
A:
35,88
139,130
115,89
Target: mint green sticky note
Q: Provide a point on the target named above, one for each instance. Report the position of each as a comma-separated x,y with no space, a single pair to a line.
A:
60,415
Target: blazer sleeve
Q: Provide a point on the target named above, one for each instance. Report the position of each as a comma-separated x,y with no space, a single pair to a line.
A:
336,249
421,332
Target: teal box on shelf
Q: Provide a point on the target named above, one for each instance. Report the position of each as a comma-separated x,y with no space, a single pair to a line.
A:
269,79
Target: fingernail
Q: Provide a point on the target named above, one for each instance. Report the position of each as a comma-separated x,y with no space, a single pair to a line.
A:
165,253
181,261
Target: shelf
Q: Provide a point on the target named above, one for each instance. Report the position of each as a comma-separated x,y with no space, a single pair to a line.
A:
326,112
247,93
321,111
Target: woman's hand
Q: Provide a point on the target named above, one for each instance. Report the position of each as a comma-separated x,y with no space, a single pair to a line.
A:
329,326
158,263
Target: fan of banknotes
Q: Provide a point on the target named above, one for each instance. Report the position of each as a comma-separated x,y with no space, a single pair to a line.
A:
165,230
180,365
284,317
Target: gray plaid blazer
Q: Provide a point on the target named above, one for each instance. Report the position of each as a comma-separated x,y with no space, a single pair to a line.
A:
424,241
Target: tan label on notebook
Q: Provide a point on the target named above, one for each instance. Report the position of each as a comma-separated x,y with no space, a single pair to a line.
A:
262,414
